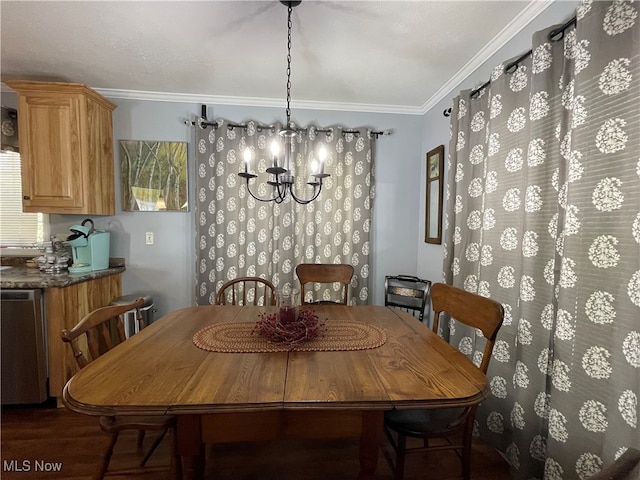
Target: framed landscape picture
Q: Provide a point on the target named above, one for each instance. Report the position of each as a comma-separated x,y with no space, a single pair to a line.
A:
153,176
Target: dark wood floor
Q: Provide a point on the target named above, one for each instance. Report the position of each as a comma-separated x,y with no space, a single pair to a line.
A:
55,438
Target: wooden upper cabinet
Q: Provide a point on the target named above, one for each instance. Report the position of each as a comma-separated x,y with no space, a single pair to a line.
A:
66,148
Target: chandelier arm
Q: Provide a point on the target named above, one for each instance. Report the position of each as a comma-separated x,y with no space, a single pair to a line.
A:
281,194
316,189
274,199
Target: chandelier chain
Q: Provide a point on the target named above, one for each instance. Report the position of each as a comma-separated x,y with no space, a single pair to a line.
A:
289,24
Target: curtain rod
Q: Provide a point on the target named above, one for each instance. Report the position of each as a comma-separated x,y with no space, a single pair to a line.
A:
203,123
555,35
327,131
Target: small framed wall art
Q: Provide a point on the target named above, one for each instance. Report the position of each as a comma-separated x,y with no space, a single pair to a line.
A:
435,188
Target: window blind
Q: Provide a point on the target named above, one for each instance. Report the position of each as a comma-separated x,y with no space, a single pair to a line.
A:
16,227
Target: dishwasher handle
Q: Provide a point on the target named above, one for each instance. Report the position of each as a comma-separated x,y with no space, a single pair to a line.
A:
17,295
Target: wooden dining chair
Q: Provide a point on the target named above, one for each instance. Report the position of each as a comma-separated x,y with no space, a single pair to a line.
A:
247,291
98,332
625,467
447,424
407,293
324,273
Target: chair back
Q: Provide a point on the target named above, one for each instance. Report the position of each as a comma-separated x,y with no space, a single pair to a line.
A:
100,331
625,467
247,291
325,273
473,310
408,293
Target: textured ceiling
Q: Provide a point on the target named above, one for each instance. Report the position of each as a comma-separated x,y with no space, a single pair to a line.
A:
372,54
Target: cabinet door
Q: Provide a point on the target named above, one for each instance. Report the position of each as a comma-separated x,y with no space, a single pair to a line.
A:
51,152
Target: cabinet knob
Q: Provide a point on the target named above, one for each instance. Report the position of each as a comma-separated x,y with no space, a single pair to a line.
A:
26,197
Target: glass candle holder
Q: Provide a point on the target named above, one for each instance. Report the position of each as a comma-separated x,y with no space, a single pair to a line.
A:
287,312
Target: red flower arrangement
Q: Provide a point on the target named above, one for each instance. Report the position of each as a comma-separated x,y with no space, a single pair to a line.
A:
289,328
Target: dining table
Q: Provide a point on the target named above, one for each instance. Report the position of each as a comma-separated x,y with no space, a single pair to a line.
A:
213,369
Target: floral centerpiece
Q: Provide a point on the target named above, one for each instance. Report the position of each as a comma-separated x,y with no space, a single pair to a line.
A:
289,325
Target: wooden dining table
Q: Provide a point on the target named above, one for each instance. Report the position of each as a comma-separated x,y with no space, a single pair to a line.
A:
257,396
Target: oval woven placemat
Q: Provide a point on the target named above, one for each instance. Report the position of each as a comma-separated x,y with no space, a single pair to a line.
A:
243,337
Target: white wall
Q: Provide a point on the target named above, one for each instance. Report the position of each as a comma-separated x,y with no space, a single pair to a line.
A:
435,126
166,269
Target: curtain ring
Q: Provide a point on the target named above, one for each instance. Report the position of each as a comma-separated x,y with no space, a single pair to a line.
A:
556,35
475,92
511,68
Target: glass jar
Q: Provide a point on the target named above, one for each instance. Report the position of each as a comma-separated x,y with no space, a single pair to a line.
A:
287,311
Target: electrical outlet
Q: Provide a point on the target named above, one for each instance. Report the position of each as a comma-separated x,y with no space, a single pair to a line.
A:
149,238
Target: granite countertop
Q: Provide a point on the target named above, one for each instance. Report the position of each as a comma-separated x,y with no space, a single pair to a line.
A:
20,276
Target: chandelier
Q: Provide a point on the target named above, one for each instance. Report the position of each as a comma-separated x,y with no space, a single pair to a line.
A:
283,180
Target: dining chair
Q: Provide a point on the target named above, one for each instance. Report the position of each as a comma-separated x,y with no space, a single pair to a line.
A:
334,273
625,467
98,332
247,291
407,293
452,426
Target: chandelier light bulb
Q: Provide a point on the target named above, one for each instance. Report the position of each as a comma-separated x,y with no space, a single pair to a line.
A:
322,154
275,148
247,159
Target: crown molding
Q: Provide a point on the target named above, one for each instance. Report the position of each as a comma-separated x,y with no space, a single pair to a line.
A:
254,101
530,12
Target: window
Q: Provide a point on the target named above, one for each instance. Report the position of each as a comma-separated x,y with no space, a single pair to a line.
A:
16,228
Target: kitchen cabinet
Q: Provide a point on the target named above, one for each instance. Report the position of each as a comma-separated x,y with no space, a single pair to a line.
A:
66,148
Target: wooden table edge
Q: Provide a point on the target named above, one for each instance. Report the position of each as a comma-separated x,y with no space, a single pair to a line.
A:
458,403
109,410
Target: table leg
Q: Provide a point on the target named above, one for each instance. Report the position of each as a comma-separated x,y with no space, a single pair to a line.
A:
190,447
370,440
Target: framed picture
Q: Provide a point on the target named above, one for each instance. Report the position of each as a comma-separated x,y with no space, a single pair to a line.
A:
435,188
153,176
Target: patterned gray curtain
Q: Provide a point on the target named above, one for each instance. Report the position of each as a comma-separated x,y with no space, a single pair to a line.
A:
544,216
240,236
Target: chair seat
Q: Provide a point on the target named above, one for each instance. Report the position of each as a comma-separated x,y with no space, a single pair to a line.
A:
151,422
416,423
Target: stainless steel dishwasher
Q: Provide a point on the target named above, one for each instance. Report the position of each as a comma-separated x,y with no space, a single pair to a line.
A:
23,347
